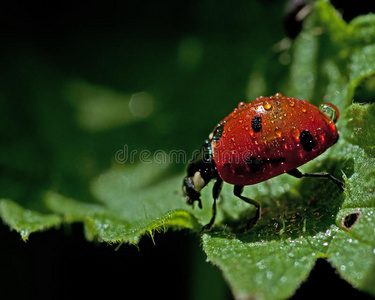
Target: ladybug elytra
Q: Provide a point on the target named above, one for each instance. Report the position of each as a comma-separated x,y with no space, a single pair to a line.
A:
258,141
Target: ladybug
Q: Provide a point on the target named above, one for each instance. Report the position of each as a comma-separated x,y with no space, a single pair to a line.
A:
258,141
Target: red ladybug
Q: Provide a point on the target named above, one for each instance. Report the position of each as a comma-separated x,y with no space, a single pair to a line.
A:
260,140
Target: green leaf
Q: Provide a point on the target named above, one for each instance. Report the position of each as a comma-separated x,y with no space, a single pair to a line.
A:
277,267
353,252
26,221
362,30
362,66
332,23
128,205
360,120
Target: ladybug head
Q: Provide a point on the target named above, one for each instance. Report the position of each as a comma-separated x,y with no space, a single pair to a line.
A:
200,171
191,187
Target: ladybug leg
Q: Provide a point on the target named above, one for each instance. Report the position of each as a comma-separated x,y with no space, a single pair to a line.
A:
215,194
296,173
238,189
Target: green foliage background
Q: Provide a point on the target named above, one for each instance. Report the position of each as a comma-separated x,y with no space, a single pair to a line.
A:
78,97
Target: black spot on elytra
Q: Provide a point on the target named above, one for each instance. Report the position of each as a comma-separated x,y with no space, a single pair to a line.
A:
256,123
254,164
276,161
307,141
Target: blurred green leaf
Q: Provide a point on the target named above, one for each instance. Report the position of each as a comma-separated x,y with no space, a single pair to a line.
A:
362,30
130,205
361,67
26,221
360,119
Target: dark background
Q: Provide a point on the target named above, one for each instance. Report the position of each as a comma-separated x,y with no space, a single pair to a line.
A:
127,46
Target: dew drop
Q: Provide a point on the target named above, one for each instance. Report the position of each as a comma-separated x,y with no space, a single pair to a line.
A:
303,109
279,132
291,103
278,95
241,104
267,105
295,133
240,121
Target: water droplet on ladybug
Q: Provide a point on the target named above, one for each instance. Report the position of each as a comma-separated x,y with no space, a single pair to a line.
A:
291,103
279,132
267,105
240,121
278,95
295,133
303,109
241,104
